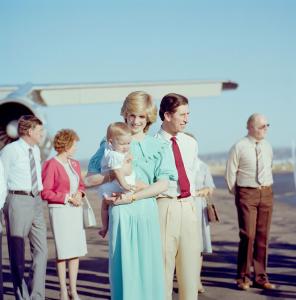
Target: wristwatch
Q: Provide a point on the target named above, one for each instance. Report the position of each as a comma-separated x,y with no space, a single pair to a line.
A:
133,198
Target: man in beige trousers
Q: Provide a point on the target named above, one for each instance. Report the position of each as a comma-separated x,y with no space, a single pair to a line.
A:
181,237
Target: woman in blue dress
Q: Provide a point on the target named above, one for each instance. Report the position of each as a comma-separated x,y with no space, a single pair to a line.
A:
204,188
135,256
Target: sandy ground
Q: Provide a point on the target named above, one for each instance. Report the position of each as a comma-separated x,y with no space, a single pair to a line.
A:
218,268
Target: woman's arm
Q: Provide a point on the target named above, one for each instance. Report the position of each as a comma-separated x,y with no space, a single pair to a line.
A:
98,179
94,175
151,191
94,165
50,176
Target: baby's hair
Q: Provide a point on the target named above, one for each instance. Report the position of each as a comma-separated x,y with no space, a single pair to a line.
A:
117,129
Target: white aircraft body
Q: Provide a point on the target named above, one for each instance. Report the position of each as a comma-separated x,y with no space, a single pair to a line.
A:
16,101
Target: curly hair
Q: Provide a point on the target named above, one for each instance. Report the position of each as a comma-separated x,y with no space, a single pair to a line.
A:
64,140
140,102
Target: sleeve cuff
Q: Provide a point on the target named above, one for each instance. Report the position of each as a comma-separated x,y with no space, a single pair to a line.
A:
66,198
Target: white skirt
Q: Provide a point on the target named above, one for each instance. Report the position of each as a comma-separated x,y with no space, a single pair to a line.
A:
201,208
68,232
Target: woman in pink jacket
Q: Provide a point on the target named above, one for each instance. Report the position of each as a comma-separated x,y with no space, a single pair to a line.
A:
63,189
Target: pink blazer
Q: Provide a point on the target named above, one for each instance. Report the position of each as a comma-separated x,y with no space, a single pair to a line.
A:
56,183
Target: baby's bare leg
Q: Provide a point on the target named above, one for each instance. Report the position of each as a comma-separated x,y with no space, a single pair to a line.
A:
105,219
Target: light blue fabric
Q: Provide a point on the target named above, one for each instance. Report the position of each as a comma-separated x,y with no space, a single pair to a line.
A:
204,179
94,165
135,256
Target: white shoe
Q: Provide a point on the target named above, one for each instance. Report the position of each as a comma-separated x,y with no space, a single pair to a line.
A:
73,296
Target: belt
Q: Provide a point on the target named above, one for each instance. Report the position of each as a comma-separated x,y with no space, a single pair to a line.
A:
261,187
23,193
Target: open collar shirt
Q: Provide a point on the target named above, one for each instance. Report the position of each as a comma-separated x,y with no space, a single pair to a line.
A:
241,167
189,150
2,186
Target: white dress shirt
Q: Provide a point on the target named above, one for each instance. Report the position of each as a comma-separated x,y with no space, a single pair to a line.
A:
241,168
16,163
189,150
3,189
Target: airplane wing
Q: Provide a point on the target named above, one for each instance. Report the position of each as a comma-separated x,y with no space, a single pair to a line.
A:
6,90
16,101
67,94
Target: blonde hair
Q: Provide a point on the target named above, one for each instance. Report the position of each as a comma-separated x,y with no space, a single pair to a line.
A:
140,102
117,129
64,140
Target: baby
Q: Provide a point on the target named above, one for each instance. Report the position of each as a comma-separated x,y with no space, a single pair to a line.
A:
117,163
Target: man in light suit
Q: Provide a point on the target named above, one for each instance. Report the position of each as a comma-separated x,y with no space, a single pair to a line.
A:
23,209
181,237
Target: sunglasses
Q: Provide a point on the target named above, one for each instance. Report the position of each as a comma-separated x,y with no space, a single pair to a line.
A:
265,126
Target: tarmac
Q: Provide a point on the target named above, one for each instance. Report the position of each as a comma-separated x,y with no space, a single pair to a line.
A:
219,268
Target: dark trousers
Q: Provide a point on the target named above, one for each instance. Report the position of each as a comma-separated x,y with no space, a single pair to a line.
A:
254,209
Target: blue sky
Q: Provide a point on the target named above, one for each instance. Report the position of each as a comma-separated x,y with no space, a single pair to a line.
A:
250,42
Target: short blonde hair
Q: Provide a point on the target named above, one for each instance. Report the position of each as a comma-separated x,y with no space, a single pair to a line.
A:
117,129
64,140
140,102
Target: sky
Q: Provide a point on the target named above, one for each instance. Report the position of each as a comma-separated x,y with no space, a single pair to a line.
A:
250,42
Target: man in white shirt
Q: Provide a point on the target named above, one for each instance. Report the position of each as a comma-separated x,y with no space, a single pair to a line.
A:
23,209
249,178
181,240
2,200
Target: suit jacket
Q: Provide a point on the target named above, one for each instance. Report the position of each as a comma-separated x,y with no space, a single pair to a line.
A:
56,183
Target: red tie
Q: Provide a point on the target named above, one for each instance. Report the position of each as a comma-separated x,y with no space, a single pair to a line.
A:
183,179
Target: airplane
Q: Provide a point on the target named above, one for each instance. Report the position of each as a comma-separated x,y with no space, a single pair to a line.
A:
29,98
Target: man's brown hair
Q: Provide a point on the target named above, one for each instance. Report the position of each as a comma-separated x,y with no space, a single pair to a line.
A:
27,122
170,103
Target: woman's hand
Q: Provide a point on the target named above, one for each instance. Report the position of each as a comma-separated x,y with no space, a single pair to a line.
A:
76,199
204,192
74,202
119,198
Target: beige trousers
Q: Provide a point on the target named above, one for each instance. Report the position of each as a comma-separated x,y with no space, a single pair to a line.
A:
181,244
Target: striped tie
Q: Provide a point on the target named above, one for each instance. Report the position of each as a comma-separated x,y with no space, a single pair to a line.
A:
260,164
33,173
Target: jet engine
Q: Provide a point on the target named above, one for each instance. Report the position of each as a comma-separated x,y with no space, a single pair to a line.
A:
12,107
